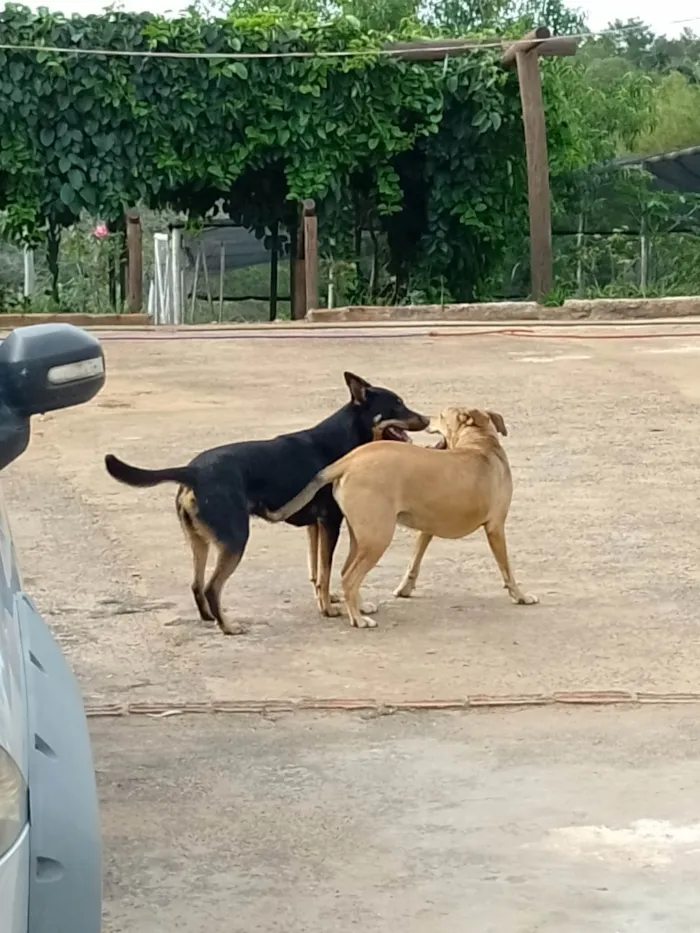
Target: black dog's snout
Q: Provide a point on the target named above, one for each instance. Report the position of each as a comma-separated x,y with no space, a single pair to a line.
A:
415,422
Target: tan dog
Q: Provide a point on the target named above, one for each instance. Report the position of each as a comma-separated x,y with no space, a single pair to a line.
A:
447,491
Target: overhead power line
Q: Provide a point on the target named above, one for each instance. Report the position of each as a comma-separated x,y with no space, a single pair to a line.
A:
475,46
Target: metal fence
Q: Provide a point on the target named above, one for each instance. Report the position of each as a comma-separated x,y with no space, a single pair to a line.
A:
222,272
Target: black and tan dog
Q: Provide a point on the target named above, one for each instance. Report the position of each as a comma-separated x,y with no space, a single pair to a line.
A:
446,492
221,488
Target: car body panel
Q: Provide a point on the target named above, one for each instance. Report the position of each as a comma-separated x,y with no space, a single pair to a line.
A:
65,882
14,864
13,721
51,873
14,886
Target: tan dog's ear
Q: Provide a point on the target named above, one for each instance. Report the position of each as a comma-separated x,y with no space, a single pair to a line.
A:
477,418
498,422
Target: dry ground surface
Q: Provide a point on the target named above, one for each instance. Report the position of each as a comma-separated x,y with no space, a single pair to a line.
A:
604,450
549,820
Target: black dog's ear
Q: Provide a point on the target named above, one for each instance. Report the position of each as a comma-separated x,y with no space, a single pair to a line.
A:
358,387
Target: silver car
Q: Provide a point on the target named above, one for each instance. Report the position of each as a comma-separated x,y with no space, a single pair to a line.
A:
50,853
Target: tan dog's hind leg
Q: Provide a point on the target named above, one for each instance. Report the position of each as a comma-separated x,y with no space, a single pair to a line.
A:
420,546
226,563
323,579
496,536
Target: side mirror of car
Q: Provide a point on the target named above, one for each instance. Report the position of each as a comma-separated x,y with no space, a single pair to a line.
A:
44,367
48,366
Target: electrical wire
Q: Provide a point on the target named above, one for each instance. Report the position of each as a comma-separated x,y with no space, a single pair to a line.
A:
344,53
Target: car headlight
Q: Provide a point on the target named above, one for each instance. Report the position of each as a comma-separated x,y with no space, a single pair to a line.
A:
13,802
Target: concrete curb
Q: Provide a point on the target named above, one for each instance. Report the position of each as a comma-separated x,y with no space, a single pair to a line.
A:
11,321
599,309
161,709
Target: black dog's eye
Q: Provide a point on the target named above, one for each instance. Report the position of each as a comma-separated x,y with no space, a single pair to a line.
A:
399,401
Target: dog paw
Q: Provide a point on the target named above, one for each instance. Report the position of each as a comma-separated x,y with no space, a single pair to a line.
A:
233,628
527,599
404,590
330,612
365,622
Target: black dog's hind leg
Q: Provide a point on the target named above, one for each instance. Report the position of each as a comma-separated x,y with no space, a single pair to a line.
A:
226,563
200,552
328,533
229,521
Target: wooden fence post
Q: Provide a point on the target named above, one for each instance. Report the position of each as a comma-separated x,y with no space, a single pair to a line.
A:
311,254
274,262
297,268
134,250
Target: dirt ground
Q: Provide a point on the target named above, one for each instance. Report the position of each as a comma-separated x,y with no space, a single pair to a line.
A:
556,820
603,526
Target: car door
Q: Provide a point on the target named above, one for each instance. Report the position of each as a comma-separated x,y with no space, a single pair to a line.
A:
14,816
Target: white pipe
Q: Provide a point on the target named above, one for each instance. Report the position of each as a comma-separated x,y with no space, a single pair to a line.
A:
160,250
176,279
29,277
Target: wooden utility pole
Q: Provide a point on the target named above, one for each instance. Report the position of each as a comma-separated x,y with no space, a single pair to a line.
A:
134,250
525,55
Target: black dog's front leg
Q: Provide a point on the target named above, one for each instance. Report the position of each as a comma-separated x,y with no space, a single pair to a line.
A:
328,534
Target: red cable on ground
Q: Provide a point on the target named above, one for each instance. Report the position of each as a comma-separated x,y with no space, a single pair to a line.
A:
630,336
402,335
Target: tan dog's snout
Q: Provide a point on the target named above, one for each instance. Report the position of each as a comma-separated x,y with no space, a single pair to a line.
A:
435,426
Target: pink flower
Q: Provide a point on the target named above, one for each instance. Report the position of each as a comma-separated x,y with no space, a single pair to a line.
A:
100,231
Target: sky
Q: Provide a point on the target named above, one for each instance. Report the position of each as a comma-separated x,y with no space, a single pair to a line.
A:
662,17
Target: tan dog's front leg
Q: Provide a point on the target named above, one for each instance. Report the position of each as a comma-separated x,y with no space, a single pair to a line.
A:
365,552
312,555
408,584
496,536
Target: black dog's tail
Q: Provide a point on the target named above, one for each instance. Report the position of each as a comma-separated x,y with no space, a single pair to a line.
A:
135,476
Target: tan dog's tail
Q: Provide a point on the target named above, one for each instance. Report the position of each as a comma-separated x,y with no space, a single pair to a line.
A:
326,476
